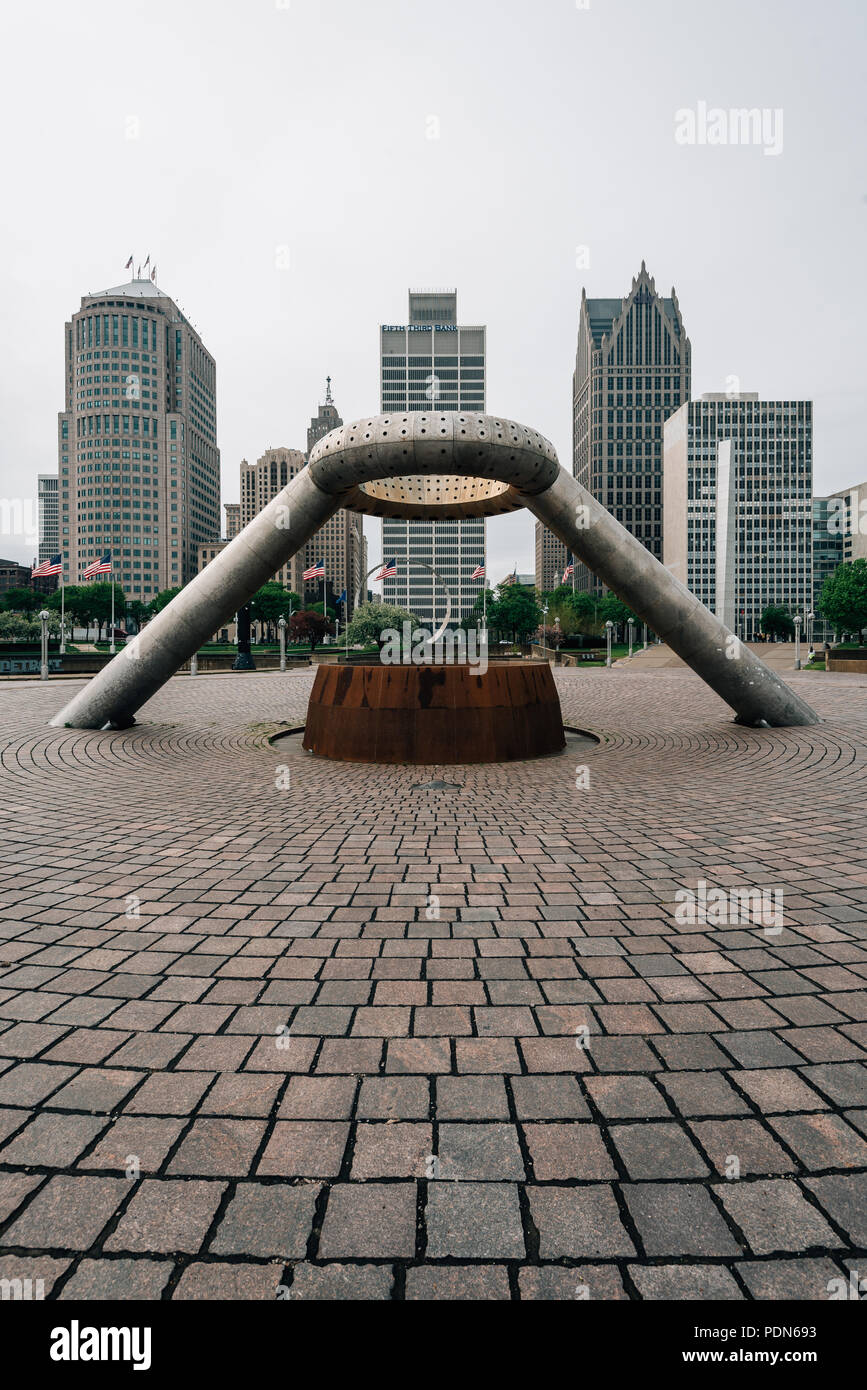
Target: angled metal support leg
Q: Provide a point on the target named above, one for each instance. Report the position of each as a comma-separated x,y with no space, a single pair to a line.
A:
755,693
211,599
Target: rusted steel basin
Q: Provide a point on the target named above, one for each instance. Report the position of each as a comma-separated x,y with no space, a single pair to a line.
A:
421,715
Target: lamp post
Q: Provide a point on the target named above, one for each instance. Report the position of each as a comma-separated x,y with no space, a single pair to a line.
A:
609,633
798,621
43,618
281,628
545,627
631,626
811,618
645,636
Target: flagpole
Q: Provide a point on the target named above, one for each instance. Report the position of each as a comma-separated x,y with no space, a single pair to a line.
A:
62,613
112,649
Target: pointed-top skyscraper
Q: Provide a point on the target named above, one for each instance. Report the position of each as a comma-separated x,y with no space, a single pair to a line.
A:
633,369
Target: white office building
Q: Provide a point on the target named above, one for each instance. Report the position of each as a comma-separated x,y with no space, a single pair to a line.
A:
738,505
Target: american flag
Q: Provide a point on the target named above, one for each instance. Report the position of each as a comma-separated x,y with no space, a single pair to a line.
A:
510,581
388,571
102,566
570,570
48,568
317,572
479,573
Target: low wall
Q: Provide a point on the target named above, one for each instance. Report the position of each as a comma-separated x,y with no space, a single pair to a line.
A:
852,663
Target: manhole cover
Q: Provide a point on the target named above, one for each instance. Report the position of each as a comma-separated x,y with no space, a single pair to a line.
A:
439,787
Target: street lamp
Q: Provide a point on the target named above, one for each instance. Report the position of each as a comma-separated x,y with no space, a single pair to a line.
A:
631,627
609,632
281,628
43,618
811,617
645,636
798,621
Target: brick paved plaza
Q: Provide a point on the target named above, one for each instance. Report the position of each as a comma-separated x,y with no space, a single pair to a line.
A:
244,1055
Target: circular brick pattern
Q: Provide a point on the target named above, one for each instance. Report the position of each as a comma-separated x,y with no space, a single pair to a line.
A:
333,1019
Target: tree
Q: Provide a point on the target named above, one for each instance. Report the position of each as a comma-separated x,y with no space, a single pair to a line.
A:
81,608
100,597
614,610
22,601
310,627
515,612
317,608
776,621
162,600
272,603
371,620
137,613
18,627
843,600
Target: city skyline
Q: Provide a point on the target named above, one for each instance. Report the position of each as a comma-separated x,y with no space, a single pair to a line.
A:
759,292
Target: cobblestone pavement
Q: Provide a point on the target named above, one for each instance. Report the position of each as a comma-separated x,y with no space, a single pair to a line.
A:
271,1027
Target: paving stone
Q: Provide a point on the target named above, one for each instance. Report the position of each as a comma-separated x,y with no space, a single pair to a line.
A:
701,1283
14,1188
747,1141
218,1147
38,1274
105,1280
581,1283
52,1141
336,1283
318,1098
657,1151
304,1149
235,1283
565,1152
267,1221
678,1219
67,1214
775,1216
394,1098
775,1092
467,1283
822,1141
578,1222
135,1140
549,1098
844,1198
369,1221
479,1153
392,1150
167,1215
702,1093
476,1221
778,1280
471,1098
627,1097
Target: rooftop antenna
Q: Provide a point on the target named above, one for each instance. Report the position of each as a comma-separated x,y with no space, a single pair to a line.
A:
328,398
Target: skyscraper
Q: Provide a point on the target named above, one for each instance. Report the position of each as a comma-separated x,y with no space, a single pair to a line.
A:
739,506
433,363
633,369
49,515
338,543
139,463
839,537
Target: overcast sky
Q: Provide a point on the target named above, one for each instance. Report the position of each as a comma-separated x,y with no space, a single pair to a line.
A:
213,134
